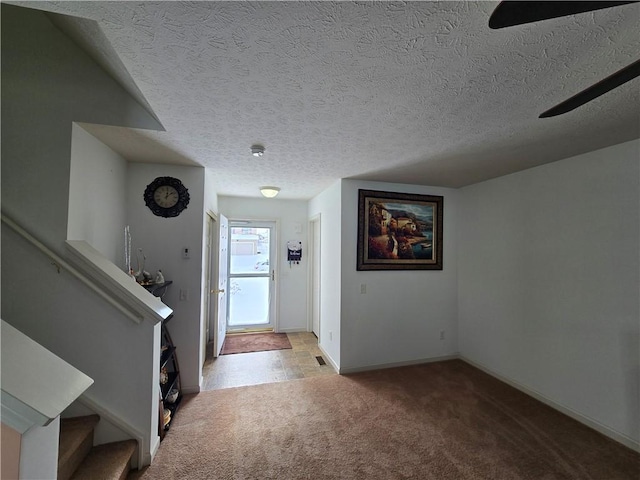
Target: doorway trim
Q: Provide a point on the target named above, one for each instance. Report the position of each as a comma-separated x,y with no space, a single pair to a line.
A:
212,271
313,276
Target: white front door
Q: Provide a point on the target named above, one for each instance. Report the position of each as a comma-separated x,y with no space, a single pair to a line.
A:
221,291
252,259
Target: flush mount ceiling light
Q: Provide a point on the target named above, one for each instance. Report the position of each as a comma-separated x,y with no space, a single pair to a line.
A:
269,192
257,150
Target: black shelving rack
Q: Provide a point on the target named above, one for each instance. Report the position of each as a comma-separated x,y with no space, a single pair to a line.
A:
168,361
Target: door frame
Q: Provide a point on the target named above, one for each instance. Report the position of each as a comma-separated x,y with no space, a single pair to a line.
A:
314,250
218,339
211,308
274,268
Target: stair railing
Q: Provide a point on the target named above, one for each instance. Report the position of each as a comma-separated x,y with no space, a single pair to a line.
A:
62,264
134,303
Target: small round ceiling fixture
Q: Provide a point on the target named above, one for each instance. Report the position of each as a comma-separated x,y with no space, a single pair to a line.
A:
257,150
269,192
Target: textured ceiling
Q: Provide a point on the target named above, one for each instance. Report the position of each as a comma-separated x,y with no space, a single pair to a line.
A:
418,92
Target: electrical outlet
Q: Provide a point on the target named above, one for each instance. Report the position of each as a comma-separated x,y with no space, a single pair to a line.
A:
186,253
330,335
363,288
184,294
441,334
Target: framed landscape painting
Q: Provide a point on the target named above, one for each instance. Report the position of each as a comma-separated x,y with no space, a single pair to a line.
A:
399,231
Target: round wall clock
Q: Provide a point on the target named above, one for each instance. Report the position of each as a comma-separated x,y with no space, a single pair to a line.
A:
166,197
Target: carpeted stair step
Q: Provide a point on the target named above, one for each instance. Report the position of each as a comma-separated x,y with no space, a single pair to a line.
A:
111,461
76,441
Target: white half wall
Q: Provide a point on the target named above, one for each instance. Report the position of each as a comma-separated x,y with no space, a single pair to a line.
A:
403,312
549,283
292,280
39,451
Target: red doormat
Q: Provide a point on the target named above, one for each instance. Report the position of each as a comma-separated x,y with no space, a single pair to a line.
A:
255,342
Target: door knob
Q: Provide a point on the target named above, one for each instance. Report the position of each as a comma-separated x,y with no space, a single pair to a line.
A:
217,291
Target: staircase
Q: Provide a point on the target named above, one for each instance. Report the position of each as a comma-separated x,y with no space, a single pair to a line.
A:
79,459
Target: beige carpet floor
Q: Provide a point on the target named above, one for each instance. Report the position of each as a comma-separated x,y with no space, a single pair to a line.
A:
438,421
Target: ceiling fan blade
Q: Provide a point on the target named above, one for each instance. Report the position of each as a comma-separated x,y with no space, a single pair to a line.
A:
603,86
510,13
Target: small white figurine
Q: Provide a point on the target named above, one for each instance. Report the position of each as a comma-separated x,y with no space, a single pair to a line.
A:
159,277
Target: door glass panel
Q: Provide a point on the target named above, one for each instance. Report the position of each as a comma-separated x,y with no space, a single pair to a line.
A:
250,279
249,250
249,301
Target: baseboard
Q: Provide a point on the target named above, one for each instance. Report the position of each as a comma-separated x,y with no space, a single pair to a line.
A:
380,366
588,421
148,458
190,389
292,330
328,358
115,420
585,420
244,331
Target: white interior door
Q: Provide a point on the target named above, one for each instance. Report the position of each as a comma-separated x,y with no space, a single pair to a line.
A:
221,291
315,278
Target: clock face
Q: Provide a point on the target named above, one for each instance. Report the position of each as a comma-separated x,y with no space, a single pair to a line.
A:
166,197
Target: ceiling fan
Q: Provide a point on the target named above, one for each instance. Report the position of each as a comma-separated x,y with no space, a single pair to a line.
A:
511,13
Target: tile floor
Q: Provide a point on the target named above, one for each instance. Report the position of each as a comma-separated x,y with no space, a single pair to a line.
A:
266,367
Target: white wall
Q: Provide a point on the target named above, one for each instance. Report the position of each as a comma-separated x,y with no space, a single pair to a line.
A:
97,195
549,283
208,306
328,206
292,281
104,182
210,195
400,317
162,241
36,127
